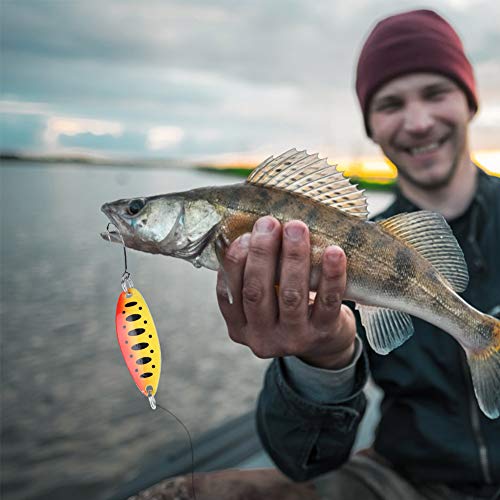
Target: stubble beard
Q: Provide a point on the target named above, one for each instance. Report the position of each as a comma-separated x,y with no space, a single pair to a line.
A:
432,184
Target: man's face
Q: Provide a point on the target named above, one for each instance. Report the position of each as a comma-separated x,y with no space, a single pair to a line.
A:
420,121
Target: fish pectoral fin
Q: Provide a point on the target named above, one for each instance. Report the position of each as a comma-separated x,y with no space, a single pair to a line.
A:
386,329
221,244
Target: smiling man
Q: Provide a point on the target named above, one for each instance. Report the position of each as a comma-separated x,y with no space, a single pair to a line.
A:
418,96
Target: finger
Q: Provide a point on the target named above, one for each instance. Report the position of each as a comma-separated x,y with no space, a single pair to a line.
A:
232,276
294,280
331,289
258,294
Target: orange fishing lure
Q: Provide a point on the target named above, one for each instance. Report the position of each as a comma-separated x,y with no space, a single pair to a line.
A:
139,343
137,336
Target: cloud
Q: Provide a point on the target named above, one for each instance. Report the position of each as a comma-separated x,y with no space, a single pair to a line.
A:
69,126
233,76
128,143
23,107
164,137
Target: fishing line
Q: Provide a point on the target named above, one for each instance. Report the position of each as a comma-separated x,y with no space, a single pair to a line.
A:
190,445
140,344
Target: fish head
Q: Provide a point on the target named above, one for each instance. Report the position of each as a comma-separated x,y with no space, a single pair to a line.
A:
143,223
171,224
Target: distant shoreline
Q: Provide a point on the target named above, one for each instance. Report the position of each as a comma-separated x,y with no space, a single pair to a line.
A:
91,160
237,171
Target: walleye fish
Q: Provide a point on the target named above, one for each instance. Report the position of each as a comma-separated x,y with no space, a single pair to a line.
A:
409,264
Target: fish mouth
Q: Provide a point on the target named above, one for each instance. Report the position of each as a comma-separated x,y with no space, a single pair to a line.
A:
111,235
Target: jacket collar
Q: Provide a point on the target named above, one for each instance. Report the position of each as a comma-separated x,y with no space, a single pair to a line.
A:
483,196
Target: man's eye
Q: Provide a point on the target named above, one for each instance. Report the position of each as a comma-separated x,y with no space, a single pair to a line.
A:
387,107
436,95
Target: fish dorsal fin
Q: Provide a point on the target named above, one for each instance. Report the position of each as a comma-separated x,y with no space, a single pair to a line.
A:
431,236
385,329
312,177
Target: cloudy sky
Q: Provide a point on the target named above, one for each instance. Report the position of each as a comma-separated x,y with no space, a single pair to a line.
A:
207,79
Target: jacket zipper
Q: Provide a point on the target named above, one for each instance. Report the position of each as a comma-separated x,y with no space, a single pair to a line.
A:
472,239
476,428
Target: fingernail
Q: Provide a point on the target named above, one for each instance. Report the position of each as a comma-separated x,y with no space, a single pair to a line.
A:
333,254
294,232
244,240
264,225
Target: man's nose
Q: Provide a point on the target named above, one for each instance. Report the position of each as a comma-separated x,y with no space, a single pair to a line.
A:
418,118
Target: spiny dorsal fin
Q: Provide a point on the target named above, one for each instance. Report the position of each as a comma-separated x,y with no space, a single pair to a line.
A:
429,234
311,176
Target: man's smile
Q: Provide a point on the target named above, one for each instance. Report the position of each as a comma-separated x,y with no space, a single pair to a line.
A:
423,148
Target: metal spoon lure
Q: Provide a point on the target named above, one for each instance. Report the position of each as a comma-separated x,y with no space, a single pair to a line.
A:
137,336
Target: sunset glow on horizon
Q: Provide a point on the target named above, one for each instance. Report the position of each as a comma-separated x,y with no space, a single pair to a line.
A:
377,169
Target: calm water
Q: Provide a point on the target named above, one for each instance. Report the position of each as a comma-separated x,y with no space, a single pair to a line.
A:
73,424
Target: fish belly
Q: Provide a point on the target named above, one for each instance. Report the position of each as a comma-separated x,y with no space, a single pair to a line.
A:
440,306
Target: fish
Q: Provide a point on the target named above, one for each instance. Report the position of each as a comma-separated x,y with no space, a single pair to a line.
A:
407,265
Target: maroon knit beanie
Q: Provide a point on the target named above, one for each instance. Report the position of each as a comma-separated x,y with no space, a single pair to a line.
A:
415,41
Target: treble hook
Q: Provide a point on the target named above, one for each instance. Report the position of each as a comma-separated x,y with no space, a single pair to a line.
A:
126,280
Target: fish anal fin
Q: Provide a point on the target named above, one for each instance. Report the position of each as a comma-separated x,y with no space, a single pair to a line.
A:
386,329
430,235
310,176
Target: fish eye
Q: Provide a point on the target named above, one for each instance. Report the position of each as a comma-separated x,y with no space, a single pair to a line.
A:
135,206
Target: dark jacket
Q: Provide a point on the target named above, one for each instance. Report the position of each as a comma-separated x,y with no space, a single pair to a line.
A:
431,427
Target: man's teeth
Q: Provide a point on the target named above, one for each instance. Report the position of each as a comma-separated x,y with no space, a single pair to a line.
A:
424,149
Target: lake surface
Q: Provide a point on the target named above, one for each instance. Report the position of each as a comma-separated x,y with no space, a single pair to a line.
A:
73,424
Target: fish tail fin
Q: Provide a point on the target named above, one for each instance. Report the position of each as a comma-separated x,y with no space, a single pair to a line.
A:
485,369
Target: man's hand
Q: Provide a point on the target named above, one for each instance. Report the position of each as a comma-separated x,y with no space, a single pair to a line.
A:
274,325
